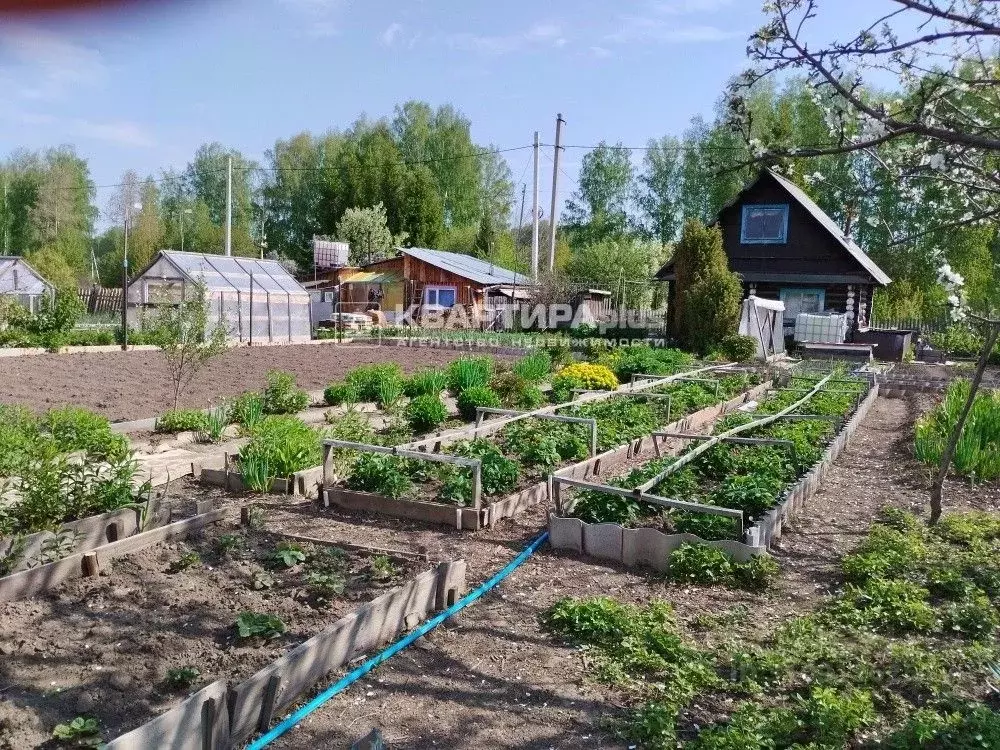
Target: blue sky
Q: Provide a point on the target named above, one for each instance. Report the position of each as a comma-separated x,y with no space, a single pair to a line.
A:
141,87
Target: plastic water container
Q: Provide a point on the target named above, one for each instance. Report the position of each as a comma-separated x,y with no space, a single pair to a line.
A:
817,328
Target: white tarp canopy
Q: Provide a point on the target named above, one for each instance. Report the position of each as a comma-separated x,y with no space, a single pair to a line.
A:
763,320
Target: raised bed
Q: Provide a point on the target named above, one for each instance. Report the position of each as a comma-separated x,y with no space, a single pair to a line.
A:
507,507
27,583
651,547
82,535
226,714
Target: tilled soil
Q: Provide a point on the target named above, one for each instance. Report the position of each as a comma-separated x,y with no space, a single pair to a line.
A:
102,647
135,385
493,677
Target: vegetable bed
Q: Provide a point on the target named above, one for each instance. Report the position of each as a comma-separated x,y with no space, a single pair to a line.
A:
123,647
747,478
517,459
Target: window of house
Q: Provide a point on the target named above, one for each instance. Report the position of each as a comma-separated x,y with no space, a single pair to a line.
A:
764,225
802,301
440,296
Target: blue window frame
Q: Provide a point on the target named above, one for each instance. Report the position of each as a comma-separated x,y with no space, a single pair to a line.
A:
764,224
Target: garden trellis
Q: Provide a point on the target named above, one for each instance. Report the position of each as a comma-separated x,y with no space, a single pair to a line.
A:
257,301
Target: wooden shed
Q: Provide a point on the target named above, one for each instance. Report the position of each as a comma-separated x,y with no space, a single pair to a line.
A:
425,279
785,247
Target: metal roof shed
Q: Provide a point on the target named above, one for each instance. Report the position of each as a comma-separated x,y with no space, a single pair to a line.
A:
24,284
258,301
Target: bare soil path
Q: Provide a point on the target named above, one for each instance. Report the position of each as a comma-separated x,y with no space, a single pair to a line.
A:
492,677
135,385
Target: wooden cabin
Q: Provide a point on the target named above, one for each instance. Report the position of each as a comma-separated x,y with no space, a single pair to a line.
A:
429,280
785,247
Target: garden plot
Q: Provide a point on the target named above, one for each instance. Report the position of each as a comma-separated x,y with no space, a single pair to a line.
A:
131,643
469,480
66,483
717,489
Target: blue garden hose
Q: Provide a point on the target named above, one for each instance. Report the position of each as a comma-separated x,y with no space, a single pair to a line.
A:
360,671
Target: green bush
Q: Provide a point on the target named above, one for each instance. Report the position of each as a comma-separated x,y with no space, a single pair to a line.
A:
426,412
388,392
336,394
367,378
281,396
699,563
426,383
470,398
976,455
757,574
533,368
499,474
284,444
181,420
516,392
383,475
74,428
969,726
642,359
247,410
469,372
738,348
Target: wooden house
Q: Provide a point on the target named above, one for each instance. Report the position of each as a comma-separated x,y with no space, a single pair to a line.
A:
422,279
785,247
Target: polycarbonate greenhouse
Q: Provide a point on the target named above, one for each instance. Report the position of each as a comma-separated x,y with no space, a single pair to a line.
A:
258,301
22,283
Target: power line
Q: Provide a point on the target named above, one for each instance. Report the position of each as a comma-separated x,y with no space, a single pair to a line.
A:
258,168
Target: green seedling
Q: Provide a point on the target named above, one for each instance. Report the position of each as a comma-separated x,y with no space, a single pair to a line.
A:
324,586
230,544
81,732
181,678
259,625
184,562
288,554
382,568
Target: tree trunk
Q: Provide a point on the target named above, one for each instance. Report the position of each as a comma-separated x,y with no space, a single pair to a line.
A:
956,434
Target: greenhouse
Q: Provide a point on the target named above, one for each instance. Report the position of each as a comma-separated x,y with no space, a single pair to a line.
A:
22,283
258,301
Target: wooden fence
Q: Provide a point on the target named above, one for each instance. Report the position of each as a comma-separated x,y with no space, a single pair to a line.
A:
101,300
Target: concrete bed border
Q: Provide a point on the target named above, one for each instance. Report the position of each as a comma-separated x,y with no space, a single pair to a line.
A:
28,583
652,548
508,507
226,714
93,531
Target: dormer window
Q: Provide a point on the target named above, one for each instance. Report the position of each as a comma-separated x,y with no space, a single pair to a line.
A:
764,225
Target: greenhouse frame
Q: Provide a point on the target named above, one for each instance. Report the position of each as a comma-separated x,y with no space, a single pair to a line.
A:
22,283
257,301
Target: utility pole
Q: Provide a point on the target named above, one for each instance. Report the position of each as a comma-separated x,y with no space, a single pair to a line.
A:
6,220
520,219
534,216
125,287
555,190
229,205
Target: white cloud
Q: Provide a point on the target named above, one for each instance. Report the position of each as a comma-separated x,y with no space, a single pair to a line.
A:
659,21
321,17
539,34
42,65
391,34
600,51
119,132
688,7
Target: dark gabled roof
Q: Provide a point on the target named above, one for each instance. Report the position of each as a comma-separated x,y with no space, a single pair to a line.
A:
475,269
831,226
799,196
